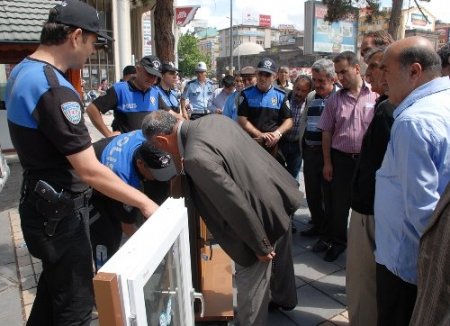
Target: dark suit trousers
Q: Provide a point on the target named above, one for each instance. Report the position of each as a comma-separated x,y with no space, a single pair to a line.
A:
282,282
395,298
343,168
317,190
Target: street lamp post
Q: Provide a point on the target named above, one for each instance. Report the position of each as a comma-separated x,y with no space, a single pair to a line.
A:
231,37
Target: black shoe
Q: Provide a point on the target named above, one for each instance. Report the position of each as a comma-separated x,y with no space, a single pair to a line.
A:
321,246
333,252
275,306
311,232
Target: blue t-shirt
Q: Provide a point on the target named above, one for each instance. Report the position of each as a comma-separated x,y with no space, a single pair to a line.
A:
118,155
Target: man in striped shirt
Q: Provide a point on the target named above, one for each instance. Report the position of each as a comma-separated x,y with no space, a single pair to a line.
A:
344,121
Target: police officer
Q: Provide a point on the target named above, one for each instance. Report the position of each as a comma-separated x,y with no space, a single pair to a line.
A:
265,114
130,100
46,124
166,87
133,160
264,110
198,93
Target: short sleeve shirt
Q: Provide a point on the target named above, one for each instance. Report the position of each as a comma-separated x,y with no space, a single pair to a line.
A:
130,105
265,110
46,123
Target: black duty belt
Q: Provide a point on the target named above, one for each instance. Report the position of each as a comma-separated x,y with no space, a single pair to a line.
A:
78,200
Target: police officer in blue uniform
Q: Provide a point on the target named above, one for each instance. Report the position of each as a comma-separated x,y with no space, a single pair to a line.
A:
265,114
197,94
130,100
133,160
45,119
166,87
263,109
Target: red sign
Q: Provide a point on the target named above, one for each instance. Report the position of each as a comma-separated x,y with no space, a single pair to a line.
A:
265,21
184,15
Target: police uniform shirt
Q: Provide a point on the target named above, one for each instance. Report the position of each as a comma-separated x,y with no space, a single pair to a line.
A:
46,123
199,95
169,98
265,110
130,105
117,153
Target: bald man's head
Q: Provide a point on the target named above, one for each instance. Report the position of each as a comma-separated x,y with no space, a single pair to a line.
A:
408,64
417,49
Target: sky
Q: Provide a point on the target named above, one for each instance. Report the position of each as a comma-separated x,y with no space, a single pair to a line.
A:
217,12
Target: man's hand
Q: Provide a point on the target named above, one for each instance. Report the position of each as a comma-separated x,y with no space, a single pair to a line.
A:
149,209
328,172
270,139
267,257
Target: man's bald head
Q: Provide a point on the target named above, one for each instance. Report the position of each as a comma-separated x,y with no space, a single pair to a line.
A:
407,64
416,49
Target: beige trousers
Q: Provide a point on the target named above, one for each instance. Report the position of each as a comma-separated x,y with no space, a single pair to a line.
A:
361,278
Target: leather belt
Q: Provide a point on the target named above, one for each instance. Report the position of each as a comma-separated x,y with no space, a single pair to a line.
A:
353,156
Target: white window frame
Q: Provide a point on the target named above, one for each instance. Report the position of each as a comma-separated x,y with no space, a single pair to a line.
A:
138,258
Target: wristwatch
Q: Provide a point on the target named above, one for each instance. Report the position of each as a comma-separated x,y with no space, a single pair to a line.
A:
278,133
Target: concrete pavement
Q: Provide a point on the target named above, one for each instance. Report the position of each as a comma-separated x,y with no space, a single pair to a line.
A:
320,285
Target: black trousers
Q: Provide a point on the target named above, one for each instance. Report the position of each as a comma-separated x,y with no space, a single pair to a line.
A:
105,227
395,298
317,190
343,168
65,292
282,282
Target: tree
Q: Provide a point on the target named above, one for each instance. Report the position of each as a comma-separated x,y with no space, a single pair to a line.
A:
338,9
190,54
164,39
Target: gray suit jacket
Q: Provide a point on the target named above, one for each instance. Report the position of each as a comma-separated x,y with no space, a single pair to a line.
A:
433,296
244,195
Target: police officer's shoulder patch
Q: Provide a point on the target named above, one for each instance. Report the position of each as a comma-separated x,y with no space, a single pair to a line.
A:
72,111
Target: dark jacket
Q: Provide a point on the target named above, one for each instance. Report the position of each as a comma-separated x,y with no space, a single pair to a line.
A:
433,295
373,148
243,194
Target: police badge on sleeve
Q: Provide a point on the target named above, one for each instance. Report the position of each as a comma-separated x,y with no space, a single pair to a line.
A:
72,112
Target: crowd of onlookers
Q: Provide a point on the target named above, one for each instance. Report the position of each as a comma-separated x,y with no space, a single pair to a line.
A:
337,122
372,133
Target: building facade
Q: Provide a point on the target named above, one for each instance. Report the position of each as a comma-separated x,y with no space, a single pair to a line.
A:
264,36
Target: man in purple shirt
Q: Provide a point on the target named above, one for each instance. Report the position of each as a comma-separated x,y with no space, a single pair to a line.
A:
344,121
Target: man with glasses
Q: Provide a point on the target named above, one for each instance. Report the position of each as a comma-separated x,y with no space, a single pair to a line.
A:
264,113
197,94
130,100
